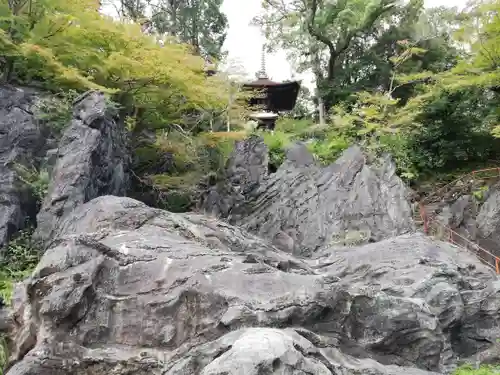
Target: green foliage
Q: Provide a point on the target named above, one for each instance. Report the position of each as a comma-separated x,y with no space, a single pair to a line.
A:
155,82
176,193
189,160
19,259
37,180
483,370
217,147
406,89
300,127
55,111
479,193
441,122
277,144
350,48
328,150
454,129
130,123
69,45
374,122
200,23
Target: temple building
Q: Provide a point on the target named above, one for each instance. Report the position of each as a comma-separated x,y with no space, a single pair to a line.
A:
270,98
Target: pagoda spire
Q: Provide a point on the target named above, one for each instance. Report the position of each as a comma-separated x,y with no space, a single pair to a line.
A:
262,74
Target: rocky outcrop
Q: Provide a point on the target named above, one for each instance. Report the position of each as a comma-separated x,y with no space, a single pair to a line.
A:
123,288
246,171
471,209
127,289
488,220
303,207
91,162
21,142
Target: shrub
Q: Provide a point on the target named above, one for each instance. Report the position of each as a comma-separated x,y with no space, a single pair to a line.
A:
19,259
55,111
37,180
328,150
277,144
483,370
175,165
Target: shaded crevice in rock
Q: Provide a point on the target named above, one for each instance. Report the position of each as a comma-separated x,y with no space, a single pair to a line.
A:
22,144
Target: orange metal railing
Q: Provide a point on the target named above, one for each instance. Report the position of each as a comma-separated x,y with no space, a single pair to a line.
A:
434,227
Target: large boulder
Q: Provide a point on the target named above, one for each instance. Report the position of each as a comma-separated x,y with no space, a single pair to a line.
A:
488,221
127,289
471,208
91,161
304,207
21,142
246,171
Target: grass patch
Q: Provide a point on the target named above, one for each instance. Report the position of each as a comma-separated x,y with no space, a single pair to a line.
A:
483,370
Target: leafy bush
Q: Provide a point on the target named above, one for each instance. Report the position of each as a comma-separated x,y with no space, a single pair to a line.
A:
451,135
19,259
483,370
177,162
295,126
37,180
277,144
55,111
215,148
69,45
328,150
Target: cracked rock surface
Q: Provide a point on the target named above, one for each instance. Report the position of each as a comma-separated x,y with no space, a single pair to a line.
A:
21,141
127,289
91,161
304,207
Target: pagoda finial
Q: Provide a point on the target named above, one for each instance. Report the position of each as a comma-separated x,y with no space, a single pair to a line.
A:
262,74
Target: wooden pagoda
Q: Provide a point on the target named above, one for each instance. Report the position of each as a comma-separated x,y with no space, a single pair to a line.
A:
270,98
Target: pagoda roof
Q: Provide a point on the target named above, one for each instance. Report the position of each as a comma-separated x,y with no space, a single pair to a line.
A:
266,82
279,96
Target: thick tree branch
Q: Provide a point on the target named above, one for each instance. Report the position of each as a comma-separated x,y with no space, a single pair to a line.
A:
321,38
343,43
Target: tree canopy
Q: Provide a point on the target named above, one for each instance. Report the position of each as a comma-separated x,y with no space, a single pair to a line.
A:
421,83
199,23
70,45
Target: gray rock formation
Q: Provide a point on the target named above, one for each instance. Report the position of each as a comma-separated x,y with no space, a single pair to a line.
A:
127,289
21,141
474,219
91,162
349,202
488,219
246,171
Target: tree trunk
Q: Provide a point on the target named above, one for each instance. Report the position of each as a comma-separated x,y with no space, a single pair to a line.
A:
316,68
321,110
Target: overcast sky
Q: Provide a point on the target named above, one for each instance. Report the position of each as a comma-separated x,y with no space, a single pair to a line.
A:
244,42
